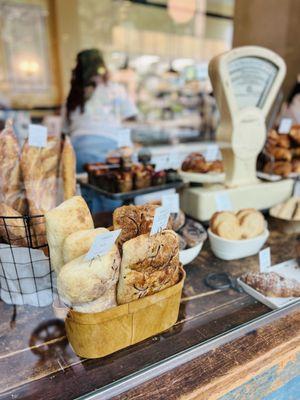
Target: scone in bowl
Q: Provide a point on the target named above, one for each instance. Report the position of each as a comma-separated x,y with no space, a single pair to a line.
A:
226,249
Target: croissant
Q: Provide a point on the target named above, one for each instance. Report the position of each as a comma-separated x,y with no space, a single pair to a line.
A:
272,285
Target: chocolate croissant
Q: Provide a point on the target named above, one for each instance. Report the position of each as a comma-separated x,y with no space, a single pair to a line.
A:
272,285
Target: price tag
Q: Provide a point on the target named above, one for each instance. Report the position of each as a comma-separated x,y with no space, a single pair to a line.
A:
296,192
223,202
285,125
37,135
212,153
264,259
102,244
160,221
124,138
171,202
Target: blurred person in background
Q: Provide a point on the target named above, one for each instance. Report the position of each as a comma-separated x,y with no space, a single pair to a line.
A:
94,111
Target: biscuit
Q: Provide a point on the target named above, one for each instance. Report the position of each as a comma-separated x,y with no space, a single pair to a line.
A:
252,225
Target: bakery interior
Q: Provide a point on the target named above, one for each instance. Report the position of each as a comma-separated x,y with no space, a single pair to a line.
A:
149,199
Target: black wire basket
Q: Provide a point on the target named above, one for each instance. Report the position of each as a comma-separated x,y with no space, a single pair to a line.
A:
26,276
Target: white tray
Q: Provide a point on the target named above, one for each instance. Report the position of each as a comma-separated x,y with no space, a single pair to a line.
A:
196,177
288,269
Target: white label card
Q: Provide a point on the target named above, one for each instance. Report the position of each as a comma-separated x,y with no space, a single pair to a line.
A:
37,135
102,244
223,202
285,125
296,192
212,153
264,259
160,221
124,138
171,202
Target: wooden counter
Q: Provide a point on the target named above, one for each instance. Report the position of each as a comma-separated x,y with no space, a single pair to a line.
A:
38,363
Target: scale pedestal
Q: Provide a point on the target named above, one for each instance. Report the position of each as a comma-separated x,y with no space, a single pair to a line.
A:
199,202
245,81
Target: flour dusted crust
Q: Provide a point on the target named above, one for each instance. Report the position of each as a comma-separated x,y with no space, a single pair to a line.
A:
68,169
272,285
222,216
133,220
71,216
252,225
79,243
149,265
90,286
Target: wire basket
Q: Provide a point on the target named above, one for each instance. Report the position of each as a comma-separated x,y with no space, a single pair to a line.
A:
26,276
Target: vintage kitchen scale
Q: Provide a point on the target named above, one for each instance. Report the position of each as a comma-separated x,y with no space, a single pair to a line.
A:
246,81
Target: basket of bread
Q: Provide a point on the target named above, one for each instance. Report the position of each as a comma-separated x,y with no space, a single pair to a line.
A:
121,296
237,235
286,216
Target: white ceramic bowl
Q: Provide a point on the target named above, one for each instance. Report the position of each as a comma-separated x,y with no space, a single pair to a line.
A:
235,249
188,255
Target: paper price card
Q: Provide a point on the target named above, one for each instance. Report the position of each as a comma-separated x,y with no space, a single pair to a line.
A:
124,138
223,202
285,125
171,202
212,153
160,221
264,259
296,192
37,135
102,244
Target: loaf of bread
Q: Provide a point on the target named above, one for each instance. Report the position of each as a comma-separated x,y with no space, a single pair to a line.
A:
90,286
149,264
68,169
71,216
13,230
79,243
40,171
133,220
272,285
11,192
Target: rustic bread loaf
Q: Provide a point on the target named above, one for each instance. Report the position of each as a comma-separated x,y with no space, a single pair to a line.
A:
133,220
149,264
79,243
70,216
68,169
13,230
90,286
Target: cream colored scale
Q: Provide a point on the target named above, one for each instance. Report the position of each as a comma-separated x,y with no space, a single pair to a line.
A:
246,81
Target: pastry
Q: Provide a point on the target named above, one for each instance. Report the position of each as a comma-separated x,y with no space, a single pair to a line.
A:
159,178
195,162
11,192
71,216
149,265
142,176
272,285
79,243
289,210
90,286
182,242
296,166
279,140
68,169
13,230
124,181
280,153
282,168
222,216
240,214
252,224
295,133
177,220
193,233
216,166
133,220
230,231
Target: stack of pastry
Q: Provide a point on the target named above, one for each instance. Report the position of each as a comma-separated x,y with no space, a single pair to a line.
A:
30,185
245,224
289,210
140,265
196,162
283,151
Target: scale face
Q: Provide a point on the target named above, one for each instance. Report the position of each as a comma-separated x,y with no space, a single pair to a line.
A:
251,80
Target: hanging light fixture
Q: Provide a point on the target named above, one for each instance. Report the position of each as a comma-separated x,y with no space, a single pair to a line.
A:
181,11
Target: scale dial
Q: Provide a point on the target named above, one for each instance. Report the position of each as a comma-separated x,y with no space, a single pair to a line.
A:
251,79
